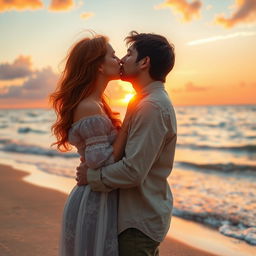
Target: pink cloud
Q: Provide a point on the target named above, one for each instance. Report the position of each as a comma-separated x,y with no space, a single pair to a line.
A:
186,9
20,5
86,15
33,84
190,87
38,86
61,5
245,13
20,68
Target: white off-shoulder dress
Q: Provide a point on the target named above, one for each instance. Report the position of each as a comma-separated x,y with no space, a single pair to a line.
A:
89,225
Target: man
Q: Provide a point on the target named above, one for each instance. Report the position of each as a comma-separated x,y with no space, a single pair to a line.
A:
145,199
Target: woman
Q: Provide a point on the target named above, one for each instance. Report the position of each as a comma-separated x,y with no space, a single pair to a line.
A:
85,120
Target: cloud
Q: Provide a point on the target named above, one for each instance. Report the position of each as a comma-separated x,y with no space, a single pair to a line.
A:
21,5
6,5
245,13
188,10
86,15
223,37
20,68
38,86
190,87
61,5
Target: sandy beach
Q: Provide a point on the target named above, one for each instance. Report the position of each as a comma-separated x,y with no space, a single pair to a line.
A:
31,215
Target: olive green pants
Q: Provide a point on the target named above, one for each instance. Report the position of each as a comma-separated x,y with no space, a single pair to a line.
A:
132,242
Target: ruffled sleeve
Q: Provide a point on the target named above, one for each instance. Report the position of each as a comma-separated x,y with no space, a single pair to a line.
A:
97,135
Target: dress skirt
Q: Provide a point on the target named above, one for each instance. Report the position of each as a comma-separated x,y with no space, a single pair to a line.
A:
89,226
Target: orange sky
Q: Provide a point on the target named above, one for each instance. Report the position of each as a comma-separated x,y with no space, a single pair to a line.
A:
214,45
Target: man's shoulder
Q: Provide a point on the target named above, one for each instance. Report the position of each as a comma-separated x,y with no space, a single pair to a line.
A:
159,100
157,104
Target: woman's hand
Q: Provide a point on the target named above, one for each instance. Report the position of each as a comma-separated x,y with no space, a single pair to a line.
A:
82,159
81,174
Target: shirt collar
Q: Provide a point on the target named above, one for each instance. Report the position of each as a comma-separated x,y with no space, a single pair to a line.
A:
156,85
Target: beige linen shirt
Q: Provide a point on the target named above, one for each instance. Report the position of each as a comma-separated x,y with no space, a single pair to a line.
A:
145,198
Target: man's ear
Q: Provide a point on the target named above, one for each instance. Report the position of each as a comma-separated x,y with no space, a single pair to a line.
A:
100,69
145,62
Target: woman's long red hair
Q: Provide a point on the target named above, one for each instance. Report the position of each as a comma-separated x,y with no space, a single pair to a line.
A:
75,84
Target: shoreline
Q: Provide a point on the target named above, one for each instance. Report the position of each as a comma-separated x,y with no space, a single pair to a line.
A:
23,216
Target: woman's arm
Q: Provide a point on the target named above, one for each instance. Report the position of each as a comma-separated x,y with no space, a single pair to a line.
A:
118,145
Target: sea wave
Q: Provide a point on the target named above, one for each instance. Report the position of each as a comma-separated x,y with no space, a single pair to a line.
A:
246,148
226,226
30,130
224,202
3,126
32,114
228,167
33,121
208,125
5,141
251,137
240,232
32,149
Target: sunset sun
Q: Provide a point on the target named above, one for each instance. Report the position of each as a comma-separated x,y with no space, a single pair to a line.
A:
127,97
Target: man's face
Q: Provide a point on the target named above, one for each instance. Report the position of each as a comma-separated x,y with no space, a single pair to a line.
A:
130,68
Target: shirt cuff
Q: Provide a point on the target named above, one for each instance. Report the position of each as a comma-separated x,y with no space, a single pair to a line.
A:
94,179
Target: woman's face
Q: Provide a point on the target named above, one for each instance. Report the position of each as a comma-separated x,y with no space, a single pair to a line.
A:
111,65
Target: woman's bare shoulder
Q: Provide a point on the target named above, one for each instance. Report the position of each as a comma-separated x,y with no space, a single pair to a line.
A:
86,108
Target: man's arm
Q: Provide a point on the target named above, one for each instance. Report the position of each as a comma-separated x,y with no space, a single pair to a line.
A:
144,144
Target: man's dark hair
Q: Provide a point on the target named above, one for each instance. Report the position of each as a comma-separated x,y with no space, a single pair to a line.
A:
158,49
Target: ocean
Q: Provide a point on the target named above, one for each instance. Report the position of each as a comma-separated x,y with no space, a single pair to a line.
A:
214,176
